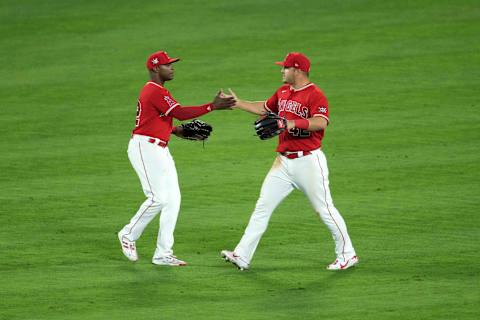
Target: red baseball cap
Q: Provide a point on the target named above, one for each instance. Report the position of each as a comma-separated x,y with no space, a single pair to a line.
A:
296,60
159,58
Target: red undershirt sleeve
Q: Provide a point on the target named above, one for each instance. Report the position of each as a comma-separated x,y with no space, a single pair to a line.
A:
186,113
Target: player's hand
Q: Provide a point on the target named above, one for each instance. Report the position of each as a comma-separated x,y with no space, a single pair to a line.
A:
223,101
233,94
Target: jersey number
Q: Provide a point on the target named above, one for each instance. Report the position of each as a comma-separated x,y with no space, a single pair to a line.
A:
296,132
139,112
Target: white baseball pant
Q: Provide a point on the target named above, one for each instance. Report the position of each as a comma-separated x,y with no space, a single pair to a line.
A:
309,174
155,167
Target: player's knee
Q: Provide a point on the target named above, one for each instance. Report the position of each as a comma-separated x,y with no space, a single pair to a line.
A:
262,211
156,202
172,203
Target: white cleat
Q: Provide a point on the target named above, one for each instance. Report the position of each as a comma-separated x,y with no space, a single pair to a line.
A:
168,261
342,264
128,247
230,256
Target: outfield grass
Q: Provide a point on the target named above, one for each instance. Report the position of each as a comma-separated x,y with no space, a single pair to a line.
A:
402,78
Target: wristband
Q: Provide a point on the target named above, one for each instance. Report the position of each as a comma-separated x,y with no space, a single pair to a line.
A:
174,130
302,123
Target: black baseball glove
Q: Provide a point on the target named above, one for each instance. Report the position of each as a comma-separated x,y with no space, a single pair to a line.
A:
196,130
270,125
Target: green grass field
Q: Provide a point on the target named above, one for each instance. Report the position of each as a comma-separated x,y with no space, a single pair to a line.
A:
402,78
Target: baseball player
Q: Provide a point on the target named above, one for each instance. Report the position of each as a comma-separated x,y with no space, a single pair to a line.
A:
300,163
149,155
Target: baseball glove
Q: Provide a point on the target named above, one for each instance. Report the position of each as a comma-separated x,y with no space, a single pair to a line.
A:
196,130
270,125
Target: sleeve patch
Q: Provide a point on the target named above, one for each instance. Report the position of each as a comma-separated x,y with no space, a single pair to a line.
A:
169,101
322,110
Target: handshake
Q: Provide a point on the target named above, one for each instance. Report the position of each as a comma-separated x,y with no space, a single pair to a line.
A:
224,101
267,126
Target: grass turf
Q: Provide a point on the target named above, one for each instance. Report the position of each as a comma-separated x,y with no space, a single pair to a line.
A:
403,150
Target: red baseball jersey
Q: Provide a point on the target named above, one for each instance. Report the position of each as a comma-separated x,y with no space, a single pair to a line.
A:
303,103
153,108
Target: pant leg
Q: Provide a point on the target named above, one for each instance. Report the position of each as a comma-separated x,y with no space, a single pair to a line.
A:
170,211
275,188
150,162
311,176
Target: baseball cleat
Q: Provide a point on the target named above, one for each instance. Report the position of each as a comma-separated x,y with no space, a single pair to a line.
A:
168,261
230,256
342,264
128,247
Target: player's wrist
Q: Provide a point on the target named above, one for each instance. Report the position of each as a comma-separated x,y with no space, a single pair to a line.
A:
301,123
178,131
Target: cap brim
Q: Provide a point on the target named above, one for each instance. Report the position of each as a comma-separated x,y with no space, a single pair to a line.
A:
280,63
172,60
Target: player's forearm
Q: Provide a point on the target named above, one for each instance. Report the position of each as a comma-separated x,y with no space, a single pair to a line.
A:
310,124
251,106
186,113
